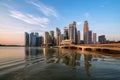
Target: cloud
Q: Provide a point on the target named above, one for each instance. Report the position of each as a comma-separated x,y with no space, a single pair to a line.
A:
87,14
79,23
46,10
30,19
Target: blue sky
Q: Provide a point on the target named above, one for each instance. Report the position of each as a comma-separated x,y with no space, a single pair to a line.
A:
19,16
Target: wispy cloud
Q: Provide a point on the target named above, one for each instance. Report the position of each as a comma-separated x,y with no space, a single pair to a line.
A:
87,14
30,19
79,23
46,10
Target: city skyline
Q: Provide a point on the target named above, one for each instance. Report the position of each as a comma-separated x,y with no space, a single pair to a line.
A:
22,16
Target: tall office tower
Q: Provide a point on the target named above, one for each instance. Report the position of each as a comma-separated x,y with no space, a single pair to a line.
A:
85,34
46,38
90,37
26,39
32,39
52,37
78,37
72,32
65,33
94,38
61,38
74,24
40,41
58,36
102,39
37,36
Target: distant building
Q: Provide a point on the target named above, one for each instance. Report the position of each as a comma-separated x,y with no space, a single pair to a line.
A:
102,39
58,33
73,32
78,37
46,38
61,38
66,42
32,39
66,33
40,41
90,37
85,34
52,39
26,39
37,36
94,38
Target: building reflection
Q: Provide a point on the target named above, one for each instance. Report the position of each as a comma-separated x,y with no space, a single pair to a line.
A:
87,63
33,55
70,57
49,55
59,56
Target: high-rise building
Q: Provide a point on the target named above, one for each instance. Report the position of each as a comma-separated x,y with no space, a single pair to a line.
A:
72,32
52,39
40,41
46,38
32,39
85,34
90,37
94,38
26,39
58,33
102,39
61,38
78,37
37,36
65,33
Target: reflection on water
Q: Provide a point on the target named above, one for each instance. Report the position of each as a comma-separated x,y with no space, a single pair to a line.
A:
57,64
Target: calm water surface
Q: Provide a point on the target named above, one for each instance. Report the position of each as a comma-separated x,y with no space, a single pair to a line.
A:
19,63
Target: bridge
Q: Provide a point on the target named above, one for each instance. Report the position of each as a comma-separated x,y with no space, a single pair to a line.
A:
92,48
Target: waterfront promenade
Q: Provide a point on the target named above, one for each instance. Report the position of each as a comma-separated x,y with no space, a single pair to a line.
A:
107,48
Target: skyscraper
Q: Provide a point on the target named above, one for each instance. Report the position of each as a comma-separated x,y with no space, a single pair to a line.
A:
37,36
40,41
52,37
78,37
89,37
94,38
61,38
85,34
32,39
46,38
58,33
26,39
72,32
65,33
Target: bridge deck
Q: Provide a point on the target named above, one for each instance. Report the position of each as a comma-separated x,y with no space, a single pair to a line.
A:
91,48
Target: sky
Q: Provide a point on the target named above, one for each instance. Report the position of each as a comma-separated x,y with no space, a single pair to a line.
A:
19,16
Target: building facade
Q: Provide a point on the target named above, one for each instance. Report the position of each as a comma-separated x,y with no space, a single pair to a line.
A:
66,33
52,39
78,37
73,32
58,33
94,38
102,39
85,34
26,39
46,38
89,37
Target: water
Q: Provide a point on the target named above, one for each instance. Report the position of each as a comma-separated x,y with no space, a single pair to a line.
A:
19,63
